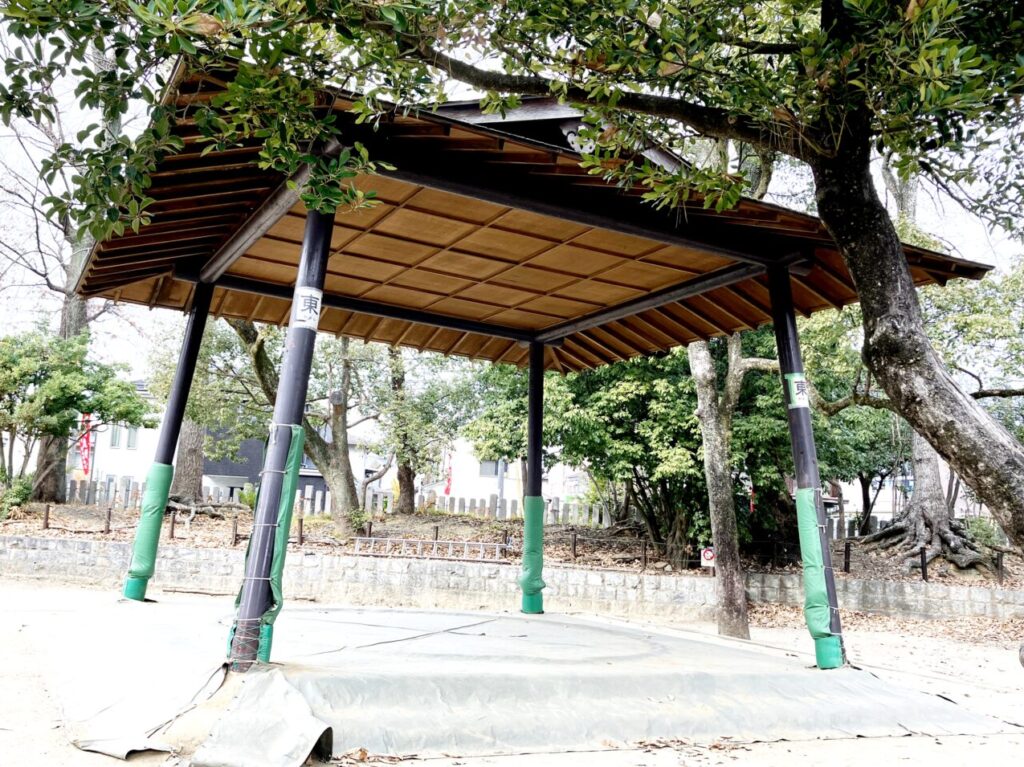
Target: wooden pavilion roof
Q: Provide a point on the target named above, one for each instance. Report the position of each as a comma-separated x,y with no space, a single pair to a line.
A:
487,235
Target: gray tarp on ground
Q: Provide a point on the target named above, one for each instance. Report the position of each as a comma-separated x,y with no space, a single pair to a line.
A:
402,681
412,682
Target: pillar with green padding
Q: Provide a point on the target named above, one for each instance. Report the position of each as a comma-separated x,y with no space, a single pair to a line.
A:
532,580
258,602
821,607
158,481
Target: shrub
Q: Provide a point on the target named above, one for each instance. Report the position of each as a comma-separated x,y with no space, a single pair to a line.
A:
984,532
17,494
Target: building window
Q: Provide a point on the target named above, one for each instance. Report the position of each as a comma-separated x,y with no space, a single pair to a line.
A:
115,436
488,468
133,437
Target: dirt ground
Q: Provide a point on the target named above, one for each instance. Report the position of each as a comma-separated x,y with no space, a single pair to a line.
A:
982,674
595,547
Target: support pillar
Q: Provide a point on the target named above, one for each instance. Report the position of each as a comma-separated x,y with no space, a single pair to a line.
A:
259,600
821,608
531,581
158,481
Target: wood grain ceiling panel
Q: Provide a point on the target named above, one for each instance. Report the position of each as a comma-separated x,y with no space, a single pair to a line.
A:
424,227
419,279
615,242
501,244
576,260
637,274
541,226
389,248
464,265
599,292
454,206
537,280
496,294
362,268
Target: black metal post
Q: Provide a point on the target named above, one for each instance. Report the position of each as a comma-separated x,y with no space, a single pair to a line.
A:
535,422
846,557
822,606
174,413
924,564
288,411
532,581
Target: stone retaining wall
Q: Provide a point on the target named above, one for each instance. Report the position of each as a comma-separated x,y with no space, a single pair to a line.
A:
477,585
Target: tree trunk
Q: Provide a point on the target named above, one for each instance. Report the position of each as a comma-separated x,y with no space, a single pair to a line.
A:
730,585
50,484
330,458
896,349
926,523
406,502
188,461
867,502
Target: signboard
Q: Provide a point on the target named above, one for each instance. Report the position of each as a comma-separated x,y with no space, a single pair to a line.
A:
798,393
707,557
306,307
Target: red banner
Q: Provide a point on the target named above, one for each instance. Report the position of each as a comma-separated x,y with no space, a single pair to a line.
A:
85,442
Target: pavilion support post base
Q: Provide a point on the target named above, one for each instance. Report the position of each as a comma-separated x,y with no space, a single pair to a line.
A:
821,605
158,481
532,580
147,534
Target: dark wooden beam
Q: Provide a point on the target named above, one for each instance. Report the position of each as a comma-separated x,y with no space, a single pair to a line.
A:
375,309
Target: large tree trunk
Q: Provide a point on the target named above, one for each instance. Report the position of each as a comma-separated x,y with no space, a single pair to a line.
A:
330,458
188,461
730,585
50,483
406,502
344,498
867,503
896,349
927,524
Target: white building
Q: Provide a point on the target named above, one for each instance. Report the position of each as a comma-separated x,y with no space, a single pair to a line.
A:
463,475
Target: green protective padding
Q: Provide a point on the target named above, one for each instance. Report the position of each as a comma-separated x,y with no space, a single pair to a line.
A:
284,525
531,580
828,648
147,534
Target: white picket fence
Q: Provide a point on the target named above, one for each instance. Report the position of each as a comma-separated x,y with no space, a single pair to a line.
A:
128,495
121,494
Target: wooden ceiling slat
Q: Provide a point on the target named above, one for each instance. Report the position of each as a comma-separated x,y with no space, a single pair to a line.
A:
576,362
609,340
682,316
679,330
709,308
815,291
630,337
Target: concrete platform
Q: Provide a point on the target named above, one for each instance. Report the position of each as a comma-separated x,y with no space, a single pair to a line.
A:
432,683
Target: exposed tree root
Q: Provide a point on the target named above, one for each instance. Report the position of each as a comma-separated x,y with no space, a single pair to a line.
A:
926,525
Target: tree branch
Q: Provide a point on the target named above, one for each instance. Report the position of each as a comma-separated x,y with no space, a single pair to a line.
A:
781,136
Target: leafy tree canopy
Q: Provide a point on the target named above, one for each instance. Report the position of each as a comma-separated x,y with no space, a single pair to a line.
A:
46,383
934,83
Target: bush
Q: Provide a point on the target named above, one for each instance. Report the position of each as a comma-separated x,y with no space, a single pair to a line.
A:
247,495
17,494
984,532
